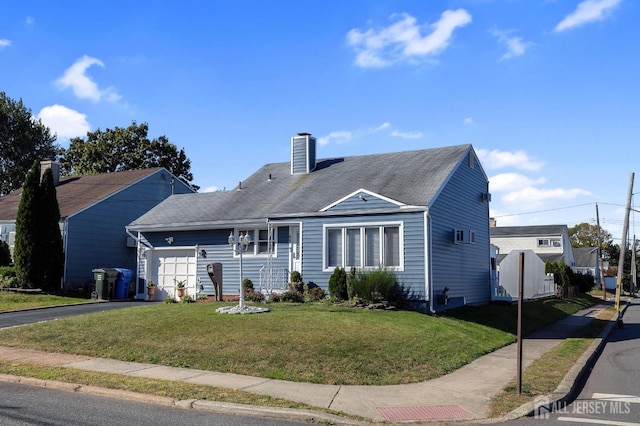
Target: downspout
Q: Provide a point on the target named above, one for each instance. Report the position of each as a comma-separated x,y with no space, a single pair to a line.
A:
427,261
65,246
139,243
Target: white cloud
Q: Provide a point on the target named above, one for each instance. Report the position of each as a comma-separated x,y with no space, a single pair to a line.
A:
209,189
403,39
468,121
29,21
4,42
587,11
83,87
533,197
383,126
496,159
65,122
512,181
516,46
406,135
336,137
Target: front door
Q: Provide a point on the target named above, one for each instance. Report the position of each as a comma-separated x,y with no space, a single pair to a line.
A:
295,247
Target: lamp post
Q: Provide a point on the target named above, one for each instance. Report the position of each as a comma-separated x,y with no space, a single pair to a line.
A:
241,245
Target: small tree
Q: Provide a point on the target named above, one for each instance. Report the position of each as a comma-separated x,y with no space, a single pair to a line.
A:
51,239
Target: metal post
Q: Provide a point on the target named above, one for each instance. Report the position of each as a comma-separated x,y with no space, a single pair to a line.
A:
519,330
600,264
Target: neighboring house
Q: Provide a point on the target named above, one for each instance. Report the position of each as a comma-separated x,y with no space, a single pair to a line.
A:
586,259
94,211
539,243
421,214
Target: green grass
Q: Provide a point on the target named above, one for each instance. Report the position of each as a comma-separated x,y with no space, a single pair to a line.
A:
544,375
10,300
316,343
172,389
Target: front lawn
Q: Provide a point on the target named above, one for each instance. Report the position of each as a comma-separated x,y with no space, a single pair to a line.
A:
11,300
317,343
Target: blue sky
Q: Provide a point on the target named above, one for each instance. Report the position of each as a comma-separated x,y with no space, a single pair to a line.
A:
547,91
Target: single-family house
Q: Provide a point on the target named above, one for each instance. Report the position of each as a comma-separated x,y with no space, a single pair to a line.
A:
424,215
539,243
94,211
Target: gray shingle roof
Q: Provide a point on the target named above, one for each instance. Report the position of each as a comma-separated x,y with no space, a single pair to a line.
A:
77,193
585,257
527,231
410,177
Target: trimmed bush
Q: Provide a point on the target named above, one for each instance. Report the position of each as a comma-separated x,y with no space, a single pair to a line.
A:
5,254
374,286
338,284
292,296
296,277
247,284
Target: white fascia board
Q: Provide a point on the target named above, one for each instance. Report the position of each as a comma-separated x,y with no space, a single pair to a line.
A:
369,193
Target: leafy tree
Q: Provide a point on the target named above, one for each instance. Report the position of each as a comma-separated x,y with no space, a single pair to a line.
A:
23,139
51,249
122,148
586,235
26,256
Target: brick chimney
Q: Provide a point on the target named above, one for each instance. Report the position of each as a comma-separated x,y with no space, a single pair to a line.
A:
55,168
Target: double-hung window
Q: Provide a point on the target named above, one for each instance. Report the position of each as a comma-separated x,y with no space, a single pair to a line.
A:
260,241
363,246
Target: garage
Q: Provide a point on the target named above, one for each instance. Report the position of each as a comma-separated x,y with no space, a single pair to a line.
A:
168,266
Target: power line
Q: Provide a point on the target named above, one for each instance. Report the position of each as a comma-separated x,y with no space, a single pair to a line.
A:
547,210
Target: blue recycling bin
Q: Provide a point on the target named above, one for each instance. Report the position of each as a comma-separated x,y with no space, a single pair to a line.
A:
123,280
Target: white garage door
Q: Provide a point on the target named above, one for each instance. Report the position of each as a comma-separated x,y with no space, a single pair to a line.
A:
170,266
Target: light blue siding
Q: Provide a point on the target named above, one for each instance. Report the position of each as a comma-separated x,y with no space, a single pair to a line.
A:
215,243
96,236
463,268
362,201
414,260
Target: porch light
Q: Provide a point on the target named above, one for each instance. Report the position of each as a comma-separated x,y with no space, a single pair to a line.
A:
240,246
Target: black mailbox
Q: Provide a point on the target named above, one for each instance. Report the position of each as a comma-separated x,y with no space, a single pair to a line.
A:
215,273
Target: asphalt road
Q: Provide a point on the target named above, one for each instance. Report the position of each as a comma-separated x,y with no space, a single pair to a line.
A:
22,405
11,319
611,394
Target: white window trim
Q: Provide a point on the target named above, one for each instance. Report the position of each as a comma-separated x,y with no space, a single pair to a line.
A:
350,225
551,242
253,232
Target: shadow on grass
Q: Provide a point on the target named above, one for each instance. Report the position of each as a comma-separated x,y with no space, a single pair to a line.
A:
536,314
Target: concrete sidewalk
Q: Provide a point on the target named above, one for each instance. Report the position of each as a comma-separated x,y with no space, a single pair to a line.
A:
461,395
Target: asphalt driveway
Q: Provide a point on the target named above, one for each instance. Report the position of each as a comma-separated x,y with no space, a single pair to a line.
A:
14,318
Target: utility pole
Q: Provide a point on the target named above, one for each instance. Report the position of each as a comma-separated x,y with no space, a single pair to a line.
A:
600,264
633,283
623,244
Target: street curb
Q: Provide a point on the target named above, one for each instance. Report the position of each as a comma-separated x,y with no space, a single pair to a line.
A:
569,387
308,416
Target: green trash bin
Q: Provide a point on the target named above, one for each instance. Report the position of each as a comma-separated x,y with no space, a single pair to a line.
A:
105,279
